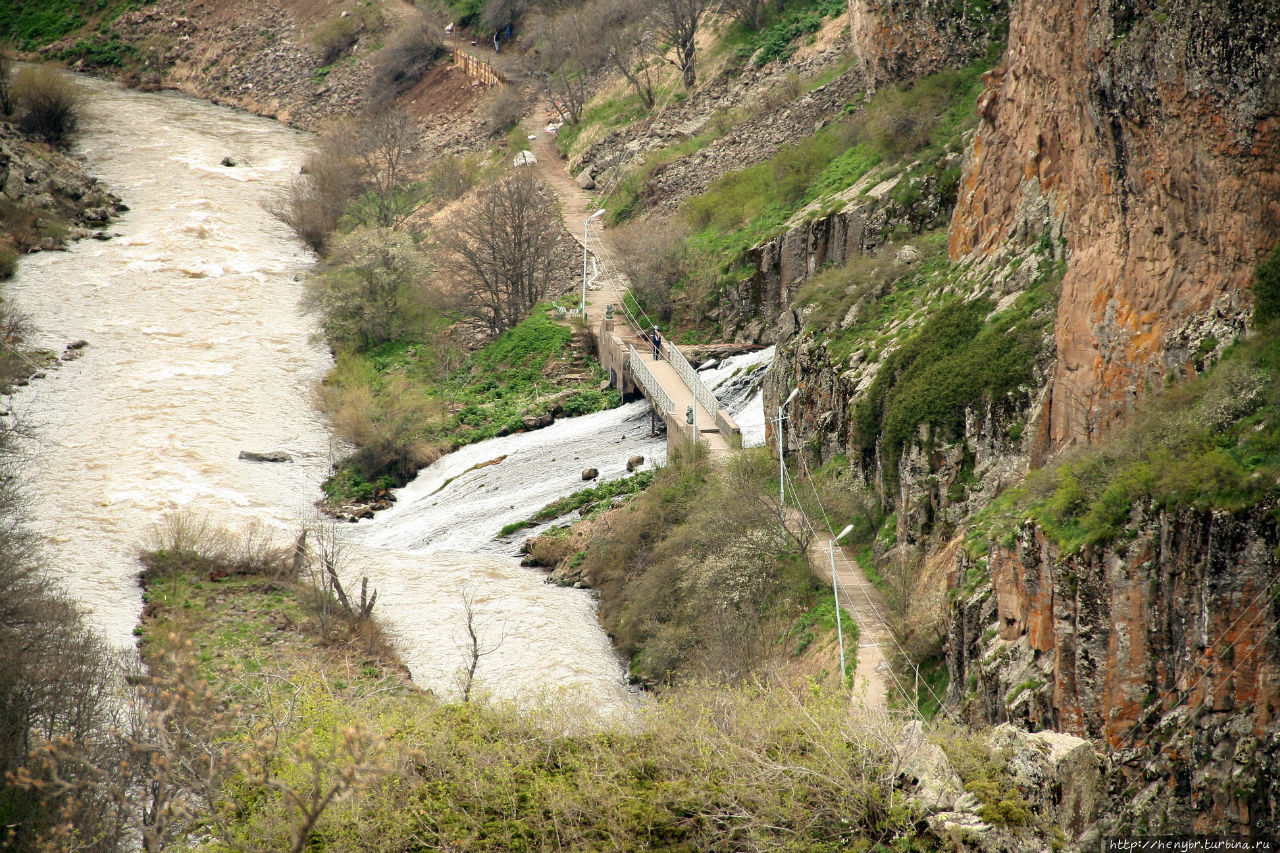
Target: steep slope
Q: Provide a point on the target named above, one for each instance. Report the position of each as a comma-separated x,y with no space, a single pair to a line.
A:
1149,134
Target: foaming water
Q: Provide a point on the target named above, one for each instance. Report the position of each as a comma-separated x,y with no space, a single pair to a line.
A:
197,350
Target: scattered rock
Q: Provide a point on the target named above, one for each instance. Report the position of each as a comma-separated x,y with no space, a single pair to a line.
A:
39,374
590,473
524,158
907,255
586,180
538,421
634,462
229,161
272,456
75,345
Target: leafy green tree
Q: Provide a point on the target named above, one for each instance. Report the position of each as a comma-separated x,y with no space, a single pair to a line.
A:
374,288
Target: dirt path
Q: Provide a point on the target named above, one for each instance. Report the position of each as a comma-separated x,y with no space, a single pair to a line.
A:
576,204
865,604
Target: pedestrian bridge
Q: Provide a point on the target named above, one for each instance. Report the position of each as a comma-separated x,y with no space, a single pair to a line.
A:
669,383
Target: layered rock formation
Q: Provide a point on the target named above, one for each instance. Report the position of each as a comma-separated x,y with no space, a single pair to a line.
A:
1148,134
1162,648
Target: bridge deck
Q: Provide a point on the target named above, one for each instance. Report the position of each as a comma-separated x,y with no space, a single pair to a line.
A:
608,288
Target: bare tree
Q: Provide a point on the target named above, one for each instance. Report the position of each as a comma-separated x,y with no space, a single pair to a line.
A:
388,142
566,58
676,22
618,28
500,253
752,14
473,647
332,175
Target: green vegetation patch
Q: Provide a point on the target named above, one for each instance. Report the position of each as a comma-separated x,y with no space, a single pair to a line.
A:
777,39
28,26
424,398
955,359
1208,443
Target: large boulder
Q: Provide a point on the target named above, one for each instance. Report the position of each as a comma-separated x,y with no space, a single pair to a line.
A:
272,456
923,771
634,462
1060,774
590,474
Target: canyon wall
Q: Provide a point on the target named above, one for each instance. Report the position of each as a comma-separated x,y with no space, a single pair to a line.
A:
1161,647
1150,133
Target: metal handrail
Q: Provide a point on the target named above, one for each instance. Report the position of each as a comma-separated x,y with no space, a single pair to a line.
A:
645,379
686,372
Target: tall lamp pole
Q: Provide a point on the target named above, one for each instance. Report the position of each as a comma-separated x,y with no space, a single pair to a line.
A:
782,465
585,223
835,594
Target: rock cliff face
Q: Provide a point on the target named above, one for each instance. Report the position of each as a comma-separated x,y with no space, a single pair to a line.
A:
897,40
1162,648
1149,133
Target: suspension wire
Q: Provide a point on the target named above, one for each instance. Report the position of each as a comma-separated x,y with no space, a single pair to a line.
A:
808,523
1181,726
1186,692
870,604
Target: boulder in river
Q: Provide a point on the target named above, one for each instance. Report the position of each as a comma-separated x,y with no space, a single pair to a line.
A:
229,161
634,462
272,456
590,473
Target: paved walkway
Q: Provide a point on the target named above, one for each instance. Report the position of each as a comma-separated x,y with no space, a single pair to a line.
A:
857,595
862,601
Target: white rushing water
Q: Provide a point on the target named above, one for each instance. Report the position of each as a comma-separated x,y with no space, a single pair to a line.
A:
197,350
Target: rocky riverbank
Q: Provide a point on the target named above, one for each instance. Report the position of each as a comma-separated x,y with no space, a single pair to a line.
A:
47,198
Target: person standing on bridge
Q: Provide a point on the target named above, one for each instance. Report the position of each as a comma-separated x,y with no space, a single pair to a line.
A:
657,343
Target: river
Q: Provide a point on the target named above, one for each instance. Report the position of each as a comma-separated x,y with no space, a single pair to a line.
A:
198,350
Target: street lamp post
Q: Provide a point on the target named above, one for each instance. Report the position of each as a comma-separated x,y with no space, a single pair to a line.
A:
835,594
585,223
782,465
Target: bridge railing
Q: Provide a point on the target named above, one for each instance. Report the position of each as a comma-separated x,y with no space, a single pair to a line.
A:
645,379
686,372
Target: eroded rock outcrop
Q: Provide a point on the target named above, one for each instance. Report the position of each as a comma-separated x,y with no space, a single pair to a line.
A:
1162,647
1148,136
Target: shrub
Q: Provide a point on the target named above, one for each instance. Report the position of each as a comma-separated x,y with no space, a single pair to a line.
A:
405,59
8,262
6,82
335,37
503,109
372,289
388,420
1266,289
49,104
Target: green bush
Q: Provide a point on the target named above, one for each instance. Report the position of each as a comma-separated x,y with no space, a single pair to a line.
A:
953,361
1266,289
8,262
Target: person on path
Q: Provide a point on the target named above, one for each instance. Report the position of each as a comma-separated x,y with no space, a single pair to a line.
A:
657,343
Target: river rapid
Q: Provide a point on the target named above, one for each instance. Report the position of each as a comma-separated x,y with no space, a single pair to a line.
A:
197,350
